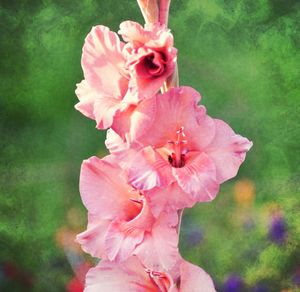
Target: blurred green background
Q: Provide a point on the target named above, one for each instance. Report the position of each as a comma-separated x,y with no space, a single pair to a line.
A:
242,55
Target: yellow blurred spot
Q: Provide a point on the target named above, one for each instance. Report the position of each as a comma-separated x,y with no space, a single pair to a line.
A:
244,192
65,238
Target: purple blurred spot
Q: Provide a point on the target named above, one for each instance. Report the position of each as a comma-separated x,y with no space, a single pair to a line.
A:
234,283
278,230
296,278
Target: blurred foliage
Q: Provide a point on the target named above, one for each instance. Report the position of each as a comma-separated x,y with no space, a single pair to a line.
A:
242,55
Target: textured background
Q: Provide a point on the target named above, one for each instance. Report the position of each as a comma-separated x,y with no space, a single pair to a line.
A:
242,55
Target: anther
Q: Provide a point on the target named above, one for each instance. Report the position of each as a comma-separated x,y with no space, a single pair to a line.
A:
180,131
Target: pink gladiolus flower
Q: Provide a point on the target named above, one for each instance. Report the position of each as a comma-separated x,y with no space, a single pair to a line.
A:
120,222
133,276
119,75
180,144
150,56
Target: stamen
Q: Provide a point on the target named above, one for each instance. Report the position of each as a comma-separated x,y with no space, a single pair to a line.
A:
180,131
157,274
159,279
177,158
153,274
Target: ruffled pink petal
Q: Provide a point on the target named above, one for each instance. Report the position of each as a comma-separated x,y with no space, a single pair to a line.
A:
160,38
122,154
152,36
112,277
228,151
122,121
148,87
198,177
194,279
169,199
122,237
174,109
159,249
121,240
104,190
142,118
148,170
115,144
133,32
92,240
86,96
202,134
103,62
105,109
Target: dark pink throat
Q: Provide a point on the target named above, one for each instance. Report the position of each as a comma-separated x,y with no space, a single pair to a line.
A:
160,280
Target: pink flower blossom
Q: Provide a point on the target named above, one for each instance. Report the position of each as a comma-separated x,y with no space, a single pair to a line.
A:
150,57
179,143
118,75
134,276
120,222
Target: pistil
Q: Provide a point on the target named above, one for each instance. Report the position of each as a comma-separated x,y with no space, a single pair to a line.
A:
177,158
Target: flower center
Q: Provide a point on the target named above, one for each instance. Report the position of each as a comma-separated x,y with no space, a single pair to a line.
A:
155,64
160,280
177,157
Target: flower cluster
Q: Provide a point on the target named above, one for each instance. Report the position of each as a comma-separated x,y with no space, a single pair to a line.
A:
166,154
